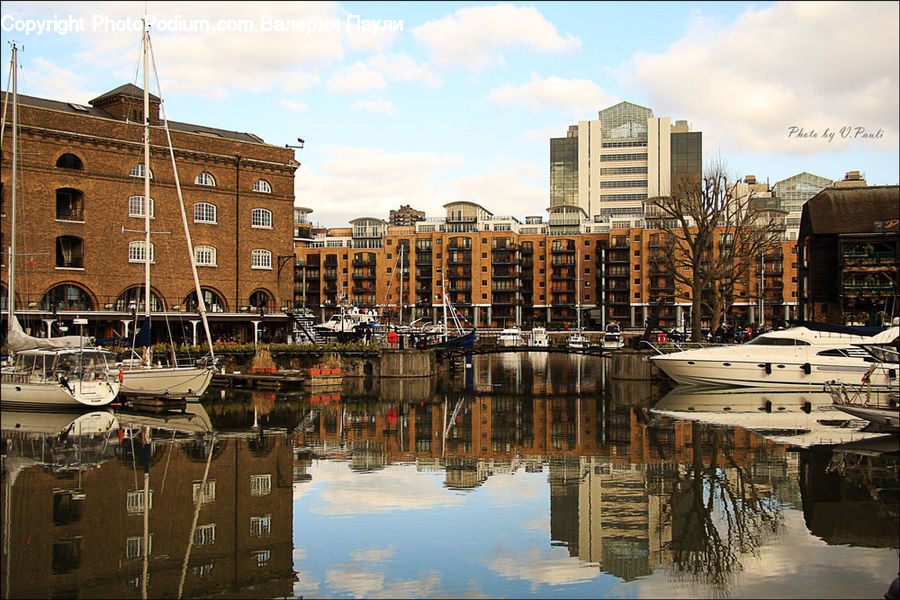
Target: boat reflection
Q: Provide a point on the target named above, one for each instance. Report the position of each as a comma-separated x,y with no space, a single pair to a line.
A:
800,418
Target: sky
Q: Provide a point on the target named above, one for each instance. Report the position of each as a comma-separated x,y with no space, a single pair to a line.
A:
425,103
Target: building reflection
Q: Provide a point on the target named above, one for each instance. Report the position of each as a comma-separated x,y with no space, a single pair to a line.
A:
629,490
78,529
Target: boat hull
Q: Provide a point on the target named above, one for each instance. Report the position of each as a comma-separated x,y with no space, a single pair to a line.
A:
20,393
759,372
887,418
168,382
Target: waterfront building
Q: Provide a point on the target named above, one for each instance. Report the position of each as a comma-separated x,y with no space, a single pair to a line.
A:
499,272
609,166
406,215
81,222
848,254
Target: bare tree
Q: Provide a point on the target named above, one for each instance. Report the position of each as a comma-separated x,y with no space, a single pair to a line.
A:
713,237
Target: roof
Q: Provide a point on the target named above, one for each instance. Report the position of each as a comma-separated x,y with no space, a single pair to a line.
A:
129,90
93,111
836,211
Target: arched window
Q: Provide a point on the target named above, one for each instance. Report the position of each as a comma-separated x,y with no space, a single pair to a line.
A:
261,218
261,259
204,212
138,171
66,297
206,179
212,300
69,205
260,299
136,252
136,207
69,252
133,299
262,186
69,161
205,256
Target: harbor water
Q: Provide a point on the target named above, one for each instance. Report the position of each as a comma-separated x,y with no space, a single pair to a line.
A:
522,474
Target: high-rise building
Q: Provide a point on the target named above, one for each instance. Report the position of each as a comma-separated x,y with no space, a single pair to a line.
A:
610,166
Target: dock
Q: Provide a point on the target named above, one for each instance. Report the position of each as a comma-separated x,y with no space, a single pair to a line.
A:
280,380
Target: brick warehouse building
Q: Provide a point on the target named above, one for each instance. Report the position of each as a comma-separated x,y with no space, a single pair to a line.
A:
80,218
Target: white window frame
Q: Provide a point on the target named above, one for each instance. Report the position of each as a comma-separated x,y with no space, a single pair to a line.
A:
134,503
202,212
261,259
261,484
262,186
205,178
138,171
205,535
209,492
136,252
136,207
134,546
205,251
261,218
261,526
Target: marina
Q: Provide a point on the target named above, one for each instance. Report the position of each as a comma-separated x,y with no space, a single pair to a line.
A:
535,474
422,306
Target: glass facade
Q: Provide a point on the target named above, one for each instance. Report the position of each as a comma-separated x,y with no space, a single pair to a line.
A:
795,191
564,171
624,121
687,153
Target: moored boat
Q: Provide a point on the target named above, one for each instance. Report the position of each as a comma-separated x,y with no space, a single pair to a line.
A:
803,356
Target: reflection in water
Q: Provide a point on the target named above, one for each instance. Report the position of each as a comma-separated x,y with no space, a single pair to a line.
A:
152,506
524,476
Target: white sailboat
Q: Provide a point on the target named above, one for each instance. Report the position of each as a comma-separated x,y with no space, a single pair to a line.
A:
47,372
141,377
577,340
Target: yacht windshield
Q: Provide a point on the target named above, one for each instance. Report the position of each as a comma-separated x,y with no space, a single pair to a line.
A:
777,341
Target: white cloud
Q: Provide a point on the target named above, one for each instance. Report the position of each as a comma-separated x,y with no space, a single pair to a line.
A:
354,182
402,67
811,65
576,97
536,567
299,81
195,55
294,106
49,80
375,106
356,79
505,189
476,37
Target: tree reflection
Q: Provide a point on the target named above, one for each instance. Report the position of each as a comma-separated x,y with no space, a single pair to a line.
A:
720,514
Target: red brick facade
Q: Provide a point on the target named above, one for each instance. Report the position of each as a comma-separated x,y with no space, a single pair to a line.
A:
74,226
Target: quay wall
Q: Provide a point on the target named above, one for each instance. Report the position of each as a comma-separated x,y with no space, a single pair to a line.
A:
386,363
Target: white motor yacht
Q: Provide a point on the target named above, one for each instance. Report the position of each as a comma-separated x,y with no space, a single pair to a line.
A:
805,356
539,338
578,341
511,336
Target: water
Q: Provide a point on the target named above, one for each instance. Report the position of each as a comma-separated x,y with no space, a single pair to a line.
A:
529,475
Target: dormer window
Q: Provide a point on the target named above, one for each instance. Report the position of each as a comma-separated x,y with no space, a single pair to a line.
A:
205,179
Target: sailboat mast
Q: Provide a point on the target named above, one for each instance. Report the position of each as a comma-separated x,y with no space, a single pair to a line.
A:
146,172
401,287
10,285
